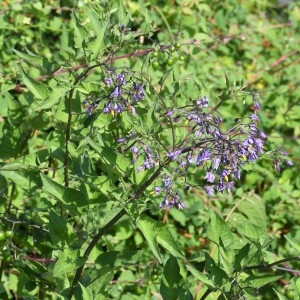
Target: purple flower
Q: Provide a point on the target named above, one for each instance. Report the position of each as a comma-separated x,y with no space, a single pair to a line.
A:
135,153
198,133
148,164
262,134
221,186
254,117
202,157
237,173
277,165
135,150
283,153
202,102
157,189
138,91
118,108
230,186
121,78
91,108
169,113
288,162
173,155
216,162
108,81
255,101
167,182
117,92
224,174
209,189
180,205
210,177
217,120
183,164
172,200
189,158
121,140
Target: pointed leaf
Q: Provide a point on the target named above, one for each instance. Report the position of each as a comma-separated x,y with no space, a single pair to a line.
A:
171,279
150,231
71,198
280,296
257,281
240,257
36,61
252,231
58,229
97,45
85,294
201,277
56,95
254,208
66,263
217,229
294,243
80,32
217,274
165,239
39,90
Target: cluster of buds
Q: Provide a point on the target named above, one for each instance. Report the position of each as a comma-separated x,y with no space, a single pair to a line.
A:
122,91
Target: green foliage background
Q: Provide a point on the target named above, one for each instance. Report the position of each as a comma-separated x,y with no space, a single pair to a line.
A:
202,252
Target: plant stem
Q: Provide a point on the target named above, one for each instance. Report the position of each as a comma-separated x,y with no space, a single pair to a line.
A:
269,266
107,226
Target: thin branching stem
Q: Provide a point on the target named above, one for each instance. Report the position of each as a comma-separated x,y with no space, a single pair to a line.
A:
103,230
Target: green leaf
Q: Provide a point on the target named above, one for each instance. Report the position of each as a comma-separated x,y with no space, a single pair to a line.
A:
5,87
80,32
111,162
71,198
66,48
257,281
280,296
217,274
97,44
36,61
85,294
56,95
58,229
95,19
241,257
254,208
217,229
171,280
66,263
24,176
39,90
252,231
61,232
293,242
227,82
150,231
201,277
116,259
166,240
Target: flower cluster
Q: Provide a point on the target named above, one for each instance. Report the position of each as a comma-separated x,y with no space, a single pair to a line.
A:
122,91
171,199
221,154
149,159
